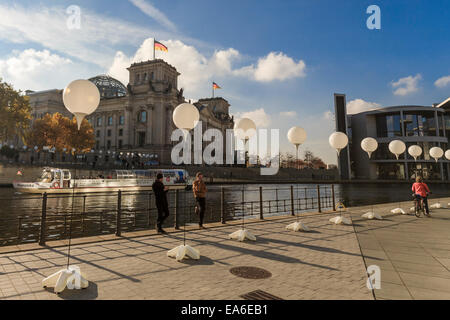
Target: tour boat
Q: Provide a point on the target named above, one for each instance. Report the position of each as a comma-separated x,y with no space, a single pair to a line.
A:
54,180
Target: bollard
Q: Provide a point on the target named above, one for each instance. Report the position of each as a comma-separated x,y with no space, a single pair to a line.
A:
261,216
84,204
119,213
43,220
318,199
334,199
177,224
222,205
292,201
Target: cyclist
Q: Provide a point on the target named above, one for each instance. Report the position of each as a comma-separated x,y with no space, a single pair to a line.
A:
421,191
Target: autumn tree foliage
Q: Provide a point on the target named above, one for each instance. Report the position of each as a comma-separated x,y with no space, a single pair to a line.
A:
15,112
59,132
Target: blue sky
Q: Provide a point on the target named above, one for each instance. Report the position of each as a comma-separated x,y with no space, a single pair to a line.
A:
278,62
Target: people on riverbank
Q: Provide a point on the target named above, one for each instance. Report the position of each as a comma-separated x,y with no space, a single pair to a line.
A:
421,191
160,191
199,189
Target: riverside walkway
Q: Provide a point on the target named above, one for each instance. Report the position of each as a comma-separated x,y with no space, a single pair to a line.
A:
327,263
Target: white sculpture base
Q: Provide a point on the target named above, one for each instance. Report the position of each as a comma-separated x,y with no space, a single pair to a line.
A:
70,278
341,220
436,206
241,235
372,215
184,252
398,210
412,209
297,226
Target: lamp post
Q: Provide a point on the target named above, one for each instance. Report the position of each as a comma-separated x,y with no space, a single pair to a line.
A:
185,117
296,136
81,98
244,129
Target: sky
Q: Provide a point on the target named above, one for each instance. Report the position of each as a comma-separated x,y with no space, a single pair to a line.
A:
278,62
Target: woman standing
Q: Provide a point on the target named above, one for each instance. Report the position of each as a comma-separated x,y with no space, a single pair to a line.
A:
199,189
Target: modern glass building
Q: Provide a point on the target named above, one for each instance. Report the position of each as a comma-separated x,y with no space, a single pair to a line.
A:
426,126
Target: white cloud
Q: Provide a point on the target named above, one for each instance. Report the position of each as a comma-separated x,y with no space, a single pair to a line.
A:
154,13
328,115
198,70
94,42
288,114
359,105
275,66
442,82
259,116
407,85
38,70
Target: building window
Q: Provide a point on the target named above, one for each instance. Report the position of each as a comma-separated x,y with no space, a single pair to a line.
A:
108,144
145,77
141,139
99,121
122,120
97,134
120,132
97,144
152,76
120,144
389,125
109,132
110,121
142,116
137,78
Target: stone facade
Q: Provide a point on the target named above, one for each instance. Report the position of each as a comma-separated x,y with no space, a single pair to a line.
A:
141,120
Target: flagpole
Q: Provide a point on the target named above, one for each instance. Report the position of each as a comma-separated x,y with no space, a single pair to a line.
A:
213,89
154,39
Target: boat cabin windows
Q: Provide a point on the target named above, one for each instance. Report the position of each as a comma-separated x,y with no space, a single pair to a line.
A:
46,176
125,174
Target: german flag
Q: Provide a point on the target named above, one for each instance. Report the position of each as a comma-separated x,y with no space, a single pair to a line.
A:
160,46
216,86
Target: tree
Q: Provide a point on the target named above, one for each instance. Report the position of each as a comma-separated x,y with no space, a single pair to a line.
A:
59,132
314,162
15,112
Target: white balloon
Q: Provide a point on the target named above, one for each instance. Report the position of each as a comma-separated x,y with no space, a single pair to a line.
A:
397,147
415,151
81,98
447,154
338,140
436,153
296,135
369,145
185,116
244,128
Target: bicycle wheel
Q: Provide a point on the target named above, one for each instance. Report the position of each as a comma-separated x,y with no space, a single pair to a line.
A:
417,210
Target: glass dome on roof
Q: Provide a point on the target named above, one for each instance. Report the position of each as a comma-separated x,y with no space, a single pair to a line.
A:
108,86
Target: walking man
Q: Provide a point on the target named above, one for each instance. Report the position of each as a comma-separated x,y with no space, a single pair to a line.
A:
199,189
162,205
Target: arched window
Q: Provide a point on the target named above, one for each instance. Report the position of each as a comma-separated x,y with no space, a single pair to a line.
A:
142,116
145,77
137,78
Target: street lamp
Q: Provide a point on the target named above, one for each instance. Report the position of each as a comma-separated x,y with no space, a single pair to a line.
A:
436,153
81,98
397,147
369,145
185,117
296,136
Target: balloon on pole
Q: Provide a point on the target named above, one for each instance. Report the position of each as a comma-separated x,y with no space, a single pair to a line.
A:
447,154
415,151
338,140
397,147
436,153
296,136
369,145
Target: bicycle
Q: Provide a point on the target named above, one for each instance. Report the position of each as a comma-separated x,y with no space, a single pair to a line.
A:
419,207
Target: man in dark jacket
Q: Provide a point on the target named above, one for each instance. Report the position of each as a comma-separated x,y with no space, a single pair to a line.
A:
162,205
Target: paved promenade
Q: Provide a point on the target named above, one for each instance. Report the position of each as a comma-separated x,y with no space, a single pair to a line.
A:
327,263
323,264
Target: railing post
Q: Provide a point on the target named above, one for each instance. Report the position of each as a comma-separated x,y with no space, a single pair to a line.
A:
19,226
318,199
149,205
222,205
43,220
177,224
334,199
261,213
119,213
292,201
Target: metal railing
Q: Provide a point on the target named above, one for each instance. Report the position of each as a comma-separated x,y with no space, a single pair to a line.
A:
134,211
